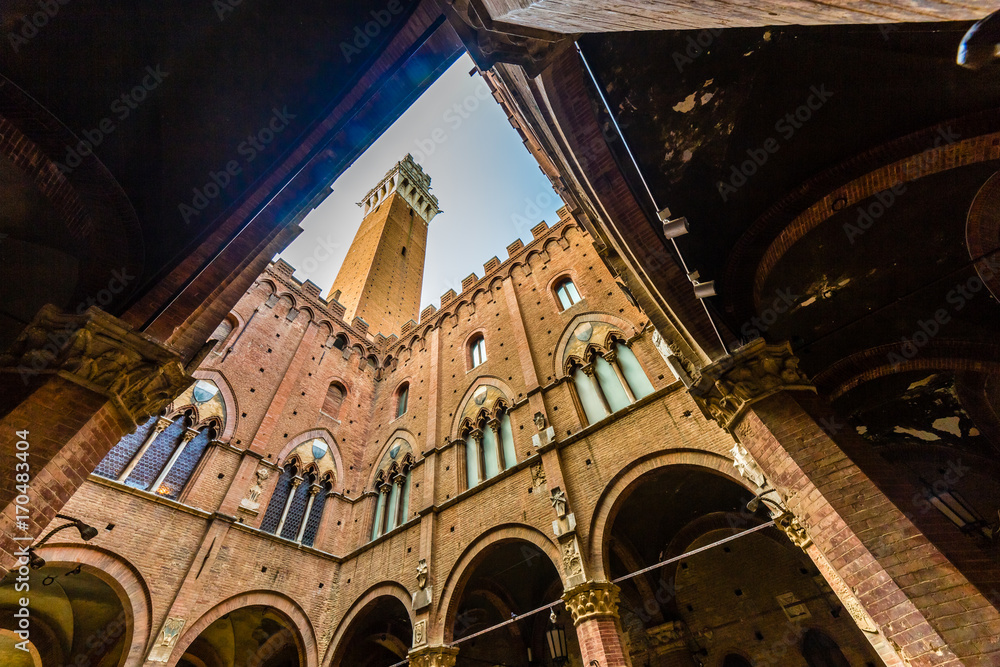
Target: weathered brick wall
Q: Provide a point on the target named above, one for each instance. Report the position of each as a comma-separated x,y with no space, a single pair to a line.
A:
279,369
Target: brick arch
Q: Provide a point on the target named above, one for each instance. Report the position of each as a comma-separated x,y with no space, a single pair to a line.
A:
269,284
88,199
488,380
305,637
228,400
621,485
327,437
383,589
400,433
127,583
287,295
982,230
482,291
938,355
771,235
557,366
461,571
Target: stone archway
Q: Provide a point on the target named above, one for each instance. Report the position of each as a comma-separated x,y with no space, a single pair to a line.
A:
753,592
377,631
504,574
280,632
85,603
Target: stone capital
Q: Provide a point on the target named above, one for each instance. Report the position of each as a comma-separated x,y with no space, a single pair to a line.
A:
796,532
755,371
592,599
102,353
433,656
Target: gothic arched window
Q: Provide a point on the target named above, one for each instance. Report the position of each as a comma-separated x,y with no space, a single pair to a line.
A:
340,342
392,484
296,506
489,447
160,456
402,396
566,293
612,380
334,399
477,351
223,332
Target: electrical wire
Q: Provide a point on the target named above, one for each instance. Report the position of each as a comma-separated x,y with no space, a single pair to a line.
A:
662,563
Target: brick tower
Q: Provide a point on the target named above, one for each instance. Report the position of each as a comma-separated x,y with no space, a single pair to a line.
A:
382,274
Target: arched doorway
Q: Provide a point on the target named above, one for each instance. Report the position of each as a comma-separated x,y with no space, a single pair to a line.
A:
253,636
756,592
75,616
821,651
506,579
380,634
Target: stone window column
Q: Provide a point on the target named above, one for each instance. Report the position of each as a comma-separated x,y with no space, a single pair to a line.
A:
494,425
161,425
380,503
395,498
897,585
288,504
188,436
612,359
589,371
313,490
477,437
593,605
383,500
400,482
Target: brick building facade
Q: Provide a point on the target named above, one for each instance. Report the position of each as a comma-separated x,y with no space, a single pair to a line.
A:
326,496
344,481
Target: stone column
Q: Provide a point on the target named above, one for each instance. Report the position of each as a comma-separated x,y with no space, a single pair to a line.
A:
288,504
313,490
161,425
593,606
591,373
433,656
71,386
477,437
494,425
612,358
911,602
178,450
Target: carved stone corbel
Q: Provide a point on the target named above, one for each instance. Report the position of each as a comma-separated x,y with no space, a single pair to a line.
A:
101,353
755,371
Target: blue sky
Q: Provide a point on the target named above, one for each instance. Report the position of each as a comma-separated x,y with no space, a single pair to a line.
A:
490,189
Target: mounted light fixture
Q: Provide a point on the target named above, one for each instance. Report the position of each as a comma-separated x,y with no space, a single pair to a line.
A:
756,500
555,637
87,533
704,290
673,228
